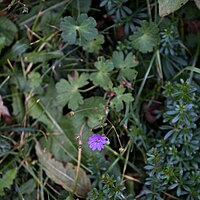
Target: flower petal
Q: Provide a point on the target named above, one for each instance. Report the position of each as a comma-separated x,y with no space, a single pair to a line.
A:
96,141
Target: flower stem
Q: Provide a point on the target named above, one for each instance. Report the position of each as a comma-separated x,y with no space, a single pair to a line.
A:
79,158
88,89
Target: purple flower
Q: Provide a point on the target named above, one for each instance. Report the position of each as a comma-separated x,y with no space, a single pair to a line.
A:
97,141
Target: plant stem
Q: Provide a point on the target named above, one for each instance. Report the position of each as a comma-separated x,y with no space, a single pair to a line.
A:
159,65
117,159
149,10
79,158
126,160
122,158
79,10
41,184
143,82
88,89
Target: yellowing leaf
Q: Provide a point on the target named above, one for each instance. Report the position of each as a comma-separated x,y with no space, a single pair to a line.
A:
197,3
167,7
4,112
3,109
63,173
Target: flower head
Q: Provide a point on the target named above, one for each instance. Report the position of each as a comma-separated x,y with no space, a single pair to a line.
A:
97,141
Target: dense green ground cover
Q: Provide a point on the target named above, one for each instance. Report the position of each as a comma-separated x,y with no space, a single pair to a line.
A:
99,99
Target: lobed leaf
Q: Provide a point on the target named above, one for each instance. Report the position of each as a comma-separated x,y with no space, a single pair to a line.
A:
125,64
94,45
7,180
68,91
146,37
93,111
121,62
34,80
102,77
80,31
120,98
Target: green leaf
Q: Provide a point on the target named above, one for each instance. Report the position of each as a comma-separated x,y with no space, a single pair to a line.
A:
8,30
71,125
68,91
125,65
69,28
14,52
120,98
5,145
92,111
63,145
19,80
17,104
94,45
48,20
51,103
92,114
80,31
37,110
18,48
82,5
167,7
129,74
28,187
2,42
64,173
7,180
102,77
40,57
34,80
146,37
121,62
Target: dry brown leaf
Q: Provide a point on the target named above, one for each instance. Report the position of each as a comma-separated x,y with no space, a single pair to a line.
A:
4,112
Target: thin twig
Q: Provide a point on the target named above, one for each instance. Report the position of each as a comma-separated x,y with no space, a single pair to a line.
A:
132,178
